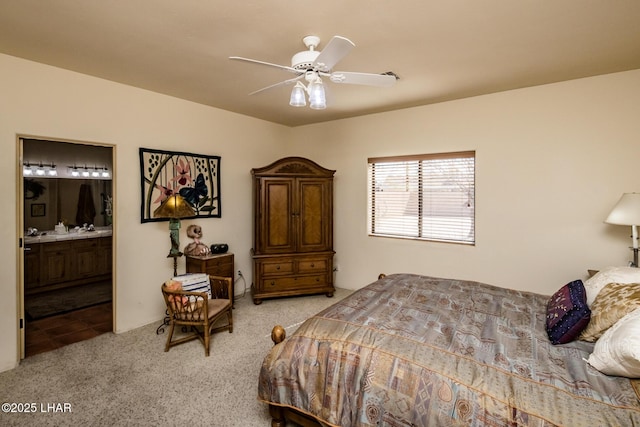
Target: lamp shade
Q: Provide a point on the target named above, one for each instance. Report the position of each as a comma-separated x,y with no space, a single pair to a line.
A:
174,206
626,211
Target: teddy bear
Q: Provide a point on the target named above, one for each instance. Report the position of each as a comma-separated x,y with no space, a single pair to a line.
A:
196,247
176,302
182,304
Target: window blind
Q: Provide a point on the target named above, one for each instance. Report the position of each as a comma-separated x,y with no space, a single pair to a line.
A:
429,196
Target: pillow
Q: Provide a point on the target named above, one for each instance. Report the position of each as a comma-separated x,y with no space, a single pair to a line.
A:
608,275
567,313
617,352
614,301
195,282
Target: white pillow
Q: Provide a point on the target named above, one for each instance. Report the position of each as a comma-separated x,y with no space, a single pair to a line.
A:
608,275
617,351
194,282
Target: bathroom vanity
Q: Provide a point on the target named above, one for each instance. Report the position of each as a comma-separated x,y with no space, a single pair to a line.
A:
55,261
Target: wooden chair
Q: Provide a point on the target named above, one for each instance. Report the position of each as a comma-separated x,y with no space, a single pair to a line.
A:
197,313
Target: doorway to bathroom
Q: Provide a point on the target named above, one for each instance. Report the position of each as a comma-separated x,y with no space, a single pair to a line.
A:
66,294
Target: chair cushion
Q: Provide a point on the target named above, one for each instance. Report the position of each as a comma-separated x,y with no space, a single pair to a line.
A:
217,305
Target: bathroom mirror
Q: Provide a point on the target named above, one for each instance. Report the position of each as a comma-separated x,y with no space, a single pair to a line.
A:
67,197
72,201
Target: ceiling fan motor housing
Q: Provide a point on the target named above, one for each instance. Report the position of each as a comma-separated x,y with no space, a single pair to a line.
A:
304,60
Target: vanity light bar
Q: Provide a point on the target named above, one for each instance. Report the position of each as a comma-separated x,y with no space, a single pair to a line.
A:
89,172
29,169
49,171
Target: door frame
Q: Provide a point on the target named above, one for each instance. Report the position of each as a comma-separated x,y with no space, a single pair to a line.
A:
20,336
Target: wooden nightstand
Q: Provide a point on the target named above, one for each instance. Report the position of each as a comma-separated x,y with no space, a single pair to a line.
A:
214,265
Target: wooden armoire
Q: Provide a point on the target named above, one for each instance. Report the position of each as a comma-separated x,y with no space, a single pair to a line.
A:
293,229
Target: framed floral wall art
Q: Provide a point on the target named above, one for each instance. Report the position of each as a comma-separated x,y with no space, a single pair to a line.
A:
195,177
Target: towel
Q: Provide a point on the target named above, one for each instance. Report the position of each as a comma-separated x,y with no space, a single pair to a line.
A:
86,209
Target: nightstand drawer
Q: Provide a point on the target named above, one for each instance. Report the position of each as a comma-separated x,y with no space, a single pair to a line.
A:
225,270
221,262
216,265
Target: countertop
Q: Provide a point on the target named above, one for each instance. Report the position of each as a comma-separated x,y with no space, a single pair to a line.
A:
52,236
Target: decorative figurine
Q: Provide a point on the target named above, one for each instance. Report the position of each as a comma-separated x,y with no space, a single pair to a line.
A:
196,247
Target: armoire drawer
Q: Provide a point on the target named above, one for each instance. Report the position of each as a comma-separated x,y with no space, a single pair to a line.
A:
288,283
277,267
317,265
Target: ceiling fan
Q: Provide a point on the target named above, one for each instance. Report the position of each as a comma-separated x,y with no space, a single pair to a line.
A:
310,65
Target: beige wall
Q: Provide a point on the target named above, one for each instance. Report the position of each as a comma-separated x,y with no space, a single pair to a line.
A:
49,102
551,162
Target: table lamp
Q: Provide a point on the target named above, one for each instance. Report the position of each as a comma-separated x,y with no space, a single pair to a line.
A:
174,207
627,212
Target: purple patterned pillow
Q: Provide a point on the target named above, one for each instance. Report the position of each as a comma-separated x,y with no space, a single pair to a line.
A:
567,313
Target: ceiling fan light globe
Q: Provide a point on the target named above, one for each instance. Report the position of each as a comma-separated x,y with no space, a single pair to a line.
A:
297,97
317,98
317,104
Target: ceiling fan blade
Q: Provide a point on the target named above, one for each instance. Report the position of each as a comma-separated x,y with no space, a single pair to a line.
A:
283,83
346,77
337,48
282,67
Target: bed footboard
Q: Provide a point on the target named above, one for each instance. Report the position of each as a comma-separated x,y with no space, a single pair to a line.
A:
278,334
279,414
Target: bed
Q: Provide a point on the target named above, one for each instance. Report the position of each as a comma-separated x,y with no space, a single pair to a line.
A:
410,350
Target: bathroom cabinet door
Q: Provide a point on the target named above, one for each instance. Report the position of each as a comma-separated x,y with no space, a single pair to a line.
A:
56,263
32,266
104,256
85,259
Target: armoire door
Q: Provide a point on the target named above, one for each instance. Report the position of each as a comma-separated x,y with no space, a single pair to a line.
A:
313,213
276,216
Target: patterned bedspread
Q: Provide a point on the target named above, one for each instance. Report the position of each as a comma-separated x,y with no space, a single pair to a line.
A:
411,350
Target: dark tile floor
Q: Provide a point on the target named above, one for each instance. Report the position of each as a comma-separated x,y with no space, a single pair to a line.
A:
54,332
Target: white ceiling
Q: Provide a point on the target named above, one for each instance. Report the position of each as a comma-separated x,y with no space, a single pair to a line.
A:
441,50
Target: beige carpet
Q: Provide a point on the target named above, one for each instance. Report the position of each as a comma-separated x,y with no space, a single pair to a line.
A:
128,380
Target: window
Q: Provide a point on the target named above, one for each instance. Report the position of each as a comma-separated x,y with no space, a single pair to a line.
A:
428,197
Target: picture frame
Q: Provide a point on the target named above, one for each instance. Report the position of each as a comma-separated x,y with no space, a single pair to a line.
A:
196,177
38,209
